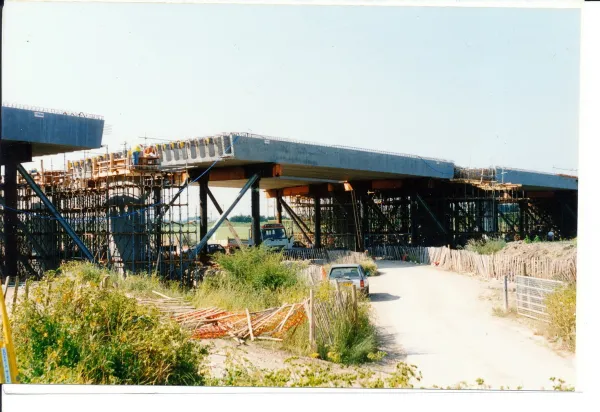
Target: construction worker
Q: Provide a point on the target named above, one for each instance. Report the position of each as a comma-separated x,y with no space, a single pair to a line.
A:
135,155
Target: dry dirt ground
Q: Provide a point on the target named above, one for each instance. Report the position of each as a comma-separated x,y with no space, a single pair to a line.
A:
443,322
555,250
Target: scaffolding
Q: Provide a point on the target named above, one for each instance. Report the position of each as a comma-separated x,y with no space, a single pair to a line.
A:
136,217
117,209
436,213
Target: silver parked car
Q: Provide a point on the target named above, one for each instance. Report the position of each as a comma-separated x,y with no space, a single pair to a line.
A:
348,274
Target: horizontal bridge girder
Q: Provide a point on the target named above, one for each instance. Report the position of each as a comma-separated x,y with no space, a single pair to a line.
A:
540,195
223,174
305,190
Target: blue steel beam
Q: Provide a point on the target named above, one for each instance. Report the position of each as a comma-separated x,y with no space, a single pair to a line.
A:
224,215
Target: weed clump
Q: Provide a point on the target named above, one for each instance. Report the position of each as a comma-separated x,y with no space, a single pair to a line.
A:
350,337
485,247
77,332
369,267
561,307
255,278
258,268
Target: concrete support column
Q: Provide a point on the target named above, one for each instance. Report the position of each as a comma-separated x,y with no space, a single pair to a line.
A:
317,222
11,250
255,204
203,189
279,208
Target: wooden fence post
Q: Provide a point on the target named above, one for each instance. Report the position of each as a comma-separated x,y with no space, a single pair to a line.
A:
27,289
15,292
311,319
354,303
524,269
505,293
6,286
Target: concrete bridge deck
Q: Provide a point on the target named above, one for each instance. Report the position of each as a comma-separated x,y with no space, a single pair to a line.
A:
304,163
49,131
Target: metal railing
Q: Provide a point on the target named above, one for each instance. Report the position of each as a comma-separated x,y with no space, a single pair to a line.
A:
53,111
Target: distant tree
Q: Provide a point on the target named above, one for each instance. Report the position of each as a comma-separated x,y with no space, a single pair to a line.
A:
241,219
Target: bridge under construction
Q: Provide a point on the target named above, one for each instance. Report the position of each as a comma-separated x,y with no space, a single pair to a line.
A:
135,216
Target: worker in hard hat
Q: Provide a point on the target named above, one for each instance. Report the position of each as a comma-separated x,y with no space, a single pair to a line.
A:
135,155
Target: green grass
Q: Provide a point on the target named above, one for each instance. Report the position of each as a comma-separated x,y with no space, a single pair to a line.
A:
139,284
485,247
254,279
354,338
82,333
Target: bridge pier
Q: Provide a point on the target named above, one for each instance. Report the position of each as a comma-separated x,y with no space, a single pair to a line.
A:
11,250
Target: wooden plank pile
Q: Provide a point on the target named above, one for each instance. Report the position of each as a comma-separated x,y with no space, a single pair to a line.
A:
212,322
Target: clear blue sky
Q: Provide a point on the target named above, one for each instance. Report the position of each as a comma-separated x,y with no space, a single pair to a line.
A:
484,86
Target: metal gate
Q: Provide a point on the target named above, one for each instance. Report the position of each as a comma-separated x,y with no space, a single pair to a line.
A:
531,294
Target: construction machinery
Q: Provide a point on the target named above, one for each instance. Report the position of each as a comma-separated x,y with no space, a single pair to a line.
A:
273,235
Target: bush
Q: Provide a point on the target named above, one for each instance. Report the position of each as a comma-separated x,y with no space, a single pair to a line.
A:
485,247
369,267
561,307
258,268
80,333
255,279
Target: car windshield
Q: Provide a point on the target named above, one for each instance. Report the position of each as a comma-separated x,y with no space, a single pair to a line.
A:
277,233
344,273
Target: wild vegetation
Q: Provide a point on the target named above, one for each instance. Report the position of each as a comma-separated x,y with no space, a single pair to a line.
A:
75,327
351,337
485,247
258,279
369,266
302,374
255,279
561,307
70,330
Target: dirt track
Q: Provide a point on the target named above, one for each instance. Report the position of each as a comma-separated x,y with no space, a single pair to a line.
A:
437,321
